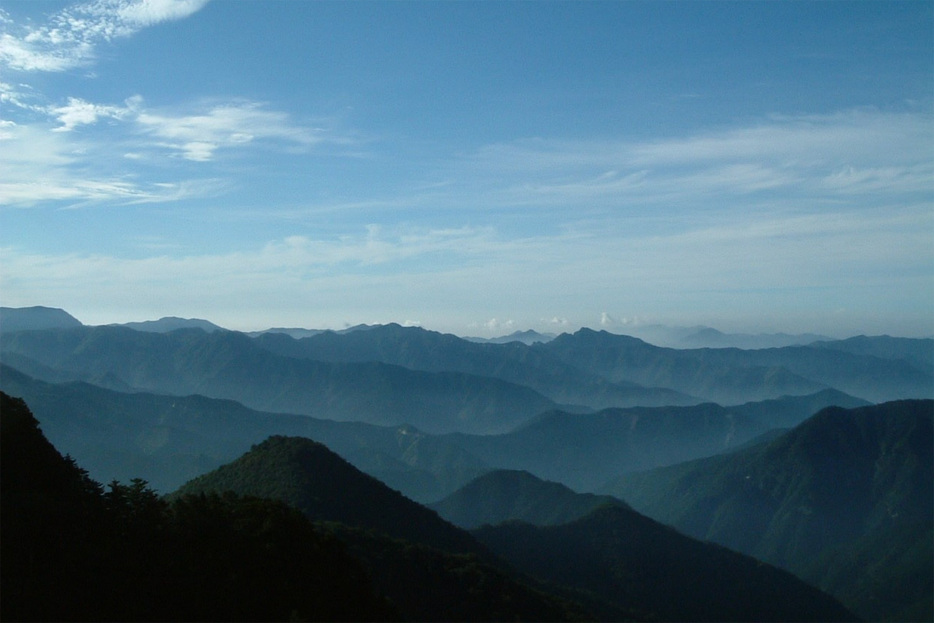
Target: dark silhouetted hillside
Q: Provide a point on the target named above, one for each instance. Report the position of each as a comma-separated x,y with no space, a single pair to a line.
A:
307,475
652,572
72,552
505,495
429,569
845,500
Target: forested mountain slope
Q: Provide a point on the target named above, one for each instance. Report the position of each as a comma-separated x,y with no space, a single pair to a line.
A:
72,552
307,475
845,500
655,573
584,450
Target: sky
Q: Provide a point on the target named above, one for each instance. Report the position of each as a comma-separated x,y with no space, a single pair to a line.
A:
471,167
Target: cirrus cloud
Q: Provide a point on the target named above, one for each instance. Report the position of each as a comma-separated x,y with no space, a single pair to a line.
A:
71,37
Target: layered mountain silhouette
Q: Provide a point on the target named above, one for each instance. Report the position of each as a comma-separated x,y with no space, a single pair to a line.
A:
731,375
584,450
168,440
845,500
508,495
418,349
499,436
310,477
230,365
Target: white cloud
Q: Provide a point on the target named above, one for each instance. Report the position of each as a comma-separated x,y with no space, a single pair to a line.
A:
198,136
41,166
71,36
65,164
79,112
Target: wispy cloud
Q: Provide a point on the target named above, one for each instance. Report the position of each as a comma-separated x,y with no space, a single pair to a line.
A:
41,166
818,156
871,263
71,37
64,162
80,112
198,136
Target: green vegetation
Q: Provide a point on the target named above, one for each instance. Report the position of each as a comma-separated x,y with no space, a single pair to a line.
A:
308,476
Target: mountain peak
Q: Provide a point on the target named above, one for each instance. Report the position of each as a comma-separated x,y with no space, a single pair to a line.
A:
173,323
508,495
325,487
35,318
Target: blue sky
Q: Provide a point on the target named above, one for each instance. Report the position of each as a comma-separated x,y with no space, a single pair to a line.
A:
472,167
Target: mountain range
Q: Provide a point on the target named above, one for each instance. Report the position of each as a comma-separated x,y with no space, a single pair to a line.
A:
225,364
466,479
170,439
309,477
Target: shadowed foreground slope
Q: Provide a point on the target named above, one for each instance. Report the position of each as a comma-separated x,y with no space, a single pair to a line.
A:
844,500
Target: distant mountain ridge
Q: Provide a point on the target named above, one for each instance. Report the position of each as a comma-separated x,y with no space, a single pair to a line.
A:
171,323
35,318
419,349
527,337
226,364
585,450
732,376
170,439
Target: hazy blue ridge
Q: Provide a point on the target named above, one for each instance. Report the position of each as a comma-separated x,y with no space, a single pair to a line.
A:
585,450
733,376
230,365
514,362
35,318
168,440
171,323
